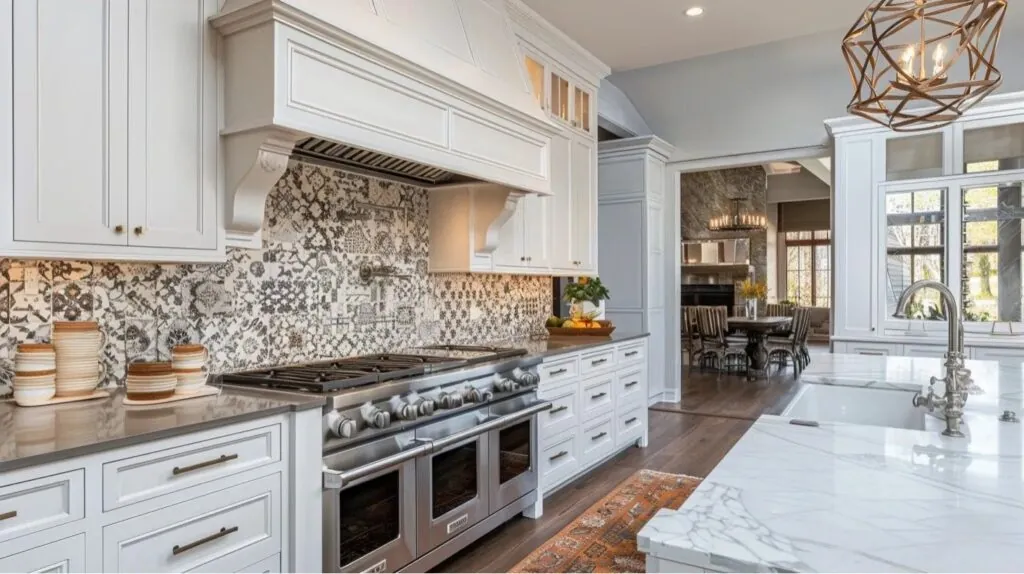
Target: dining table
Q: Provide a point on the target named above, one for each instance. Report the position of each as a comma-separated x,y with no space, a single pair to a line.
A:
757,330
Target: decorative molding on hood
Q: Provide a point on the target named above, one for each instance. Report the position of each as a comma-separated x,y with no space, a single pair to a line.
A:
449,92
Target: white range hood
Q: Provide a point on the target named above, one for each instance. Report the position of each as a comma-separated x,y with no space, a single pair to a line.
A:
421,83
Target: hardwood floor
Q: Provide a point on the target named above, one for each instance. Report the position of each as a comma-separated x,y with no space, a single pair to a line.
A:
711,394
679,443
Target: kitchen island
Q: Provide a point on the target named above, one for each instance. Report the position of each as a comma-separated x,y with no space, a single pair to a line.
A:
851,497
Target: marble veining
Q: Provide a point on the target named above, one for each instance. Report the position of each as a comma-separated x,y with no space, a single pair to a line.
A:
844,497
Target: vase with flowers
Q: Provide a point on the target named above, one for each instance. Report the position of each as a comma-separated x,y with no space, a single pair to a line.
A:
752,292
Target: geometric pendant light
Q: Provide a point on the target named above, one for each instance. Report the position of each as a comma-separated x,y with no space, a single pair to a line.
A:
920,64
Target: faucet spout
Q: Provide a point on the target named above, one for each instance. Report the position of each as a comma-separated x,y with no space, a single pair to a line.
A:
957,379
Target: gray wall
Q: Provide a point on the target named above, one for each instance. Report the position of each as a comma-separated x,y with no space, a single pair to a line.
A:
769,97
800,186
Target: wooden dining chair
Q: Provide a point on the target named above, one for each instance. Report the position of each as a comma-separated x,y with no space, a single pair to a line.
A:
693,344
794,346
712,324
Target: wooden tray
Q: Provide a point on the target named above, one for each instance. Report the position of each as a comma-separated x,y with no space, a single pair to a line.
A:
97,394
605,330
205,392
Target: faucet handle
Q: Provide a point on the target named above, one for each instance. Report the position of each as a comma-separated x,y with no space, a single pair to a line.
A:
935,380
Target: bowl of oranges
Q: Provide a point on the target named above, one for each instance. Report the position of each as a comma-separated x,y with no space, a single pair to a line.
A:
579,325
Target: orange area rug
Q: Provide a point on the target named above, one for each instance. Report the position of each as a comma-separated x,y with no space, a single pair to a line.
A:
603,538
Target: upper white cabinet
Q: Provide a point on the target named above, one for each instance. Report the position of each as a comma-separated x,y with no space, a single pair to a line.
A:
584,205
114,130
524,243
567,100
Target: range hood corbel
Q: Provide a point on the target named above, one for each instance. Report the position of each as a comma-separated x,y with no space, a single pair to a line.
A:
255,162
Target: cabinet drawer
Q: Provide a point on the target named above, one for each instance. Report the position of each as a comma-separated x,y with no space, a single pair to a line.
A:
153,474
633,353
597,397
559,460
42,503
271,565
631,425
557,371
563,413
243,522
629,387
597,361
67,555
597,441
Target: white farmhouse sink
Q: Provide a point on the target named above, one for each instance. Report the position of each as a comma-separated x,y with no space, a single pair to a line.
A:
856,405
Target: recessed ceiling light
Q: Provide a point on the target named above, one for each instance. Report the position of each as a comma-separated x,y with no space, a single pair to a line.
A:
694,12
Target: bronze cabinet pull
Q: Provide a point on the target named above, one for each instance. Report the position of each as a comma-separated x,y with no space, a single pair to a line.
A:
598,396
599,436
632,384
559,455
119,229
7,515
139,230
598,362
632,353
223,532
558,372
557,410
221,459
630,421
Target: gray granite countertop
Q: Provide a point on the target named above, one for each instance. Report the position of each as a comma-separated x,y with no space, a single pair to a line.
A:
38,435
561,345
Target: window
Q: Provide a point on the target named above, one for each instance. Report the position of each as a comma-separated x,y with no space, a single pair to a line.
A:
991,251
915,251
808,268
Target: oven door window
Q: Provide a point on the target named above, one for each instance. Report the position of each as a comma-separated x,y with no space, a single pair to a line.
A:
370,515
454,478
514,451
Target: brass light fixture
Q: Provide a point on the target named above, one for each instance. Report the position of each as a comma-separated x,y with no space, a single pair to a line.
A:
737,221
920,64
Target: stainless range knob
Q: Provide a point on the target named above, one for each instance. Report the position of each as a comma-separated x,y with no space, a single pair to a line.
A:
471,394
406,412
506,385
449,399
374,416
486,395
341,426
426,407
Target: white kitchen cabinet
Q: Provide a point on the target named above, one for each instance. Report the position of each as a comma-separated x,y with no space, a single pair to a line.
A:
584,205
599,407
1003,355
66,555
115,132
523,243
560,205
868,348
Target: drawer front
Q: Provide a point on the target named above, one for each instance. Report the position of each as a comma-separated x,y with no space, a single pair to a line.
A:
562,416
632,353
67,555
559,460
242,522
597,441
154,474
629,387
35,505
597,397
271,565
597,361
560,370
631,425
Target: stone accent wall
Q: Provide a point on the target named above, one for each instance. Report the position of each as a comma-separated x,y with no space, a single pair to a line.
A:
706,194
299,298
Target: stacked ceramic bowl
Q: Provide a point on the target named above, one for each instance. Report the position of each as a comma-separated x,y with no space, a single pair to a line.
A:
77,346
189,364
34,374
150,381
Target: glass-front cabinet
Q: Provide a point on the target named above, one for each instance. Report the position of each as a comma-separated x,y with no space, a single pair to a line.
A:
564,99
581,109
536,74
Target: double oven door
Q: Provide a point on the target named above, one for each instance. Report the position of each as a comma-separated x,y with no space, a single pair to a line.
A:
370,521
512,450
452,483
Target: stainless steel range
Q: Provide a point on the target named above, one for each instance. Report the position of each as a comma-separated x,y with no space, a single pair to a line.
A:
425,450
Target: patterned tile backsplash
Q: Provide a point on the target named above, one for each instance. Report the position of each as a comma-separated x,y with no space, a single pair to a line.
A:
299,298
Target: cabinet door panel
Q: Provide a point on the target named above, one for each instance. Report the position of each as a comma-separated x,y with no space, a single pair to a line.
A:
172,118
560,217
536,216
70,121
584,203
509,252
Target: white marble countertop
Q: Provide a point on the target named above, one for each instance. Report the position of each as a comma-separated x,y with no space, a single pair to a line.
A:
844,497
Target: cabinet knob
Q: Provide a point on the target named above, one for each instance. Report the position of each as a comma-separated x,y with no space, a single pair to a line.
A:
139,230
523,258
118,229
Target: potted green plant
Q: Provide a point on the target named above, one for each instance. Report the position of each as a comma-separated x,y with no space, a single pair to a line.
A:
581,292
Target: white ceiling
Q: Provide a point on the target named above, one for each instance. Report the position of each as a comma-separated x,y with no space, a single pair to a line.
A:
628,34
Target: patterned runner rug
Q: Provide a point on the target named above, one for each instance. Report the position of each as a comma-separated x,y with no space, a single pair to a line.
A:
603,538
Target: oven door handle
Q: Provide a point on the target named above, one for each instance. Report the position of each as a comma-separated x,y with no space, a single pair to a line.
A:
337,479
445,442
